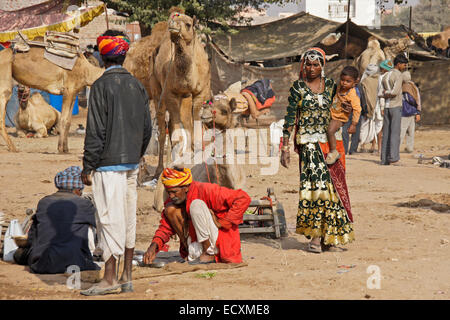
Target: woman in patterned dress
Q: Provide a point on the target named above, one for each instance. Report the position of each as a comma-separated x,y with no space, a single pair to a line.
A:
324,214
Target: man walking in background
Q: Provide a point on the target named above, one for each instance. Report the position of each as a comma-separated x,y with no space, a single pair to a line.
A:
392,118
117,134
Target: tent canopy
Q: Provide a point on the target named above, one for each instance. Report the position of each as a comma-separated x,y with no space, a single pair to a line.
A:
291,36
282,38
35,20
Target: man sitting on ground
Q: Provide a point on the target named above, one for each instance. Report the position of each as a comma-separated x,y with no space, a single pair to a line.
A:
61,234
205,217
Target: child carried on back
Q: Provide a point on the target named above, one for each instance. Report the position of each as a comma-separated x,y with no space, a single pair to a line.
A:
345,95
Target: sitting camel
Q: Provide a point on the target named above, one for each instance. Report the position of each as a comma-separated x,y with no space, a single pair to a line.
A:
245,100
372,55
33,70
35,114
219,117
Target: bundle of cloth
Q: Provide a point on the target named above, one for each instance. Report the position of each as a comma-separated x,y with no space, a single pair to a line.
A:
262,93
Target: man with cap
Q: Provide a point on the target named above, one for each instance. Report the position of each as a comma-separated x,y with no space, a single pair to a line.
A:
118,130
61,234
205,216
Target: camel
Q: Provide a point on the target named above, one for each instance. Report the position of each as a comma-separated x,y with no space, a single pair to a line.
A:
173,66
35,115
440,40
139,58
33,70
220,116
330,39
355,46
396,46
372,55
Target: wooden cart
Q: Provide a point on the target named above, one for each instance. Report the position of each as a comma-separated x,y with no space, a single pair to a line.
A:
267,218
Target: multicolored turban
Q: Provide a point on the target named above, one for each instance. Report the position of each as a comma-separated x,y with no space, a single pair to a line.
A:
113,45
312,54
387,65
174,178
69,179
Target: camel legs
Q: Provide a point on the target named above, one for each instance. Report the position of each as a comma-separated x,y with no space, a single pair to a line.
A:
4,98
161,118
197,103
5,93
64,124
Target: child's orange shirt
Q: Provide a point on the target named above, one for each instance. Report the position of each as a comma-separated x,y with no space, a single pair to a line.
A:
337,112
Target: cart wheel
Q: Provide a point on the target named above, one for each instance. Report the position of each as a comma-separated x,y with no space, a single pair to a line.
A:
282,220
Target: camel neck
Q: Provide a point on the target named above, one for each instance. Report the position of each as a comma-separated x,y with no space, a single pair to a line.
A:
182,56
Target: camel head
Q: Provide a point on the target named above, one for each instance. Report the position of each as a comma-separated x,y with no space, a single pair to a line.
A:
23,94
400,44
181,27
219,112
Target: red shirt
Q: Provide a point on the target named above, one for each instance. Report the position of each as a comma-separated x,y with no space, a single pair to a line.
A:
229,207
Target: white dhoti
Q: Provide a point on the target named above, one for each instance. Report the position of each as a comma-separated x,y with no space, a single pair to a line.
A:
205,229
115,197
370,127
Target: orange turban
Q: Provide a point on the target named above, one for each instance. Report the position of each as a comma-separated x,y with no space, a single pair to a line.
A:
174,178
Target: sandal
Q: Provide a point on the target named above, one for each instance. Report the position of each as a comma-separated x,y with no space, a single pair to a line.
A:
99,291
127,287
315,248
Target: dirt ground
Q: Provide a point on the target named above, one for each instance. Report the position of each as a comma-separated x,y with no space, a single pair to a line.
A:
408,245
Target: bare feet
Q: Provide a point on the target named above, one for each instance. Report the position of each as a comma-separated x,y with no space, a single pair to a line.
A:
206,258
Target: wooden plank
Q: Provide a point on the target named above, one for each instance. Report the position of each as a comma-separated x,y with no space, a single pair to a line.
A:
277,226
257,230
259,217
262,203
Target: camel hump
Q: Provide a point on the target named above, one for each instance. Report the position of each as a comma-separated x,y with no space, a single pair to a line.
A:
373,43
160,27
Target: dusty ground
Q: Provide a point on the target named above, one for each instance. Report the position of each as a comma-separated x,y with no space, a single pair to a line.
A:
410,245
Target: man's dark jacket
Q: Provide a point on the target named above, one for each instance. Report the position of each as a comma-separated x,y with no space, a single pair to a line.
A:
59,234
118,126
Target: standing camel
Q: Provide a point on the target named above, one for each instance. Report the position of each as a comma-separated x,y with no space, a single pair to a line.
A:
180,81
33,70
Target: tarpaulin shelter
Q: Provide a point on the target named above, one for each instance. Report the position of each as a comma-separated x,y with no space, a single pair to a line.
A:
35,20
278,39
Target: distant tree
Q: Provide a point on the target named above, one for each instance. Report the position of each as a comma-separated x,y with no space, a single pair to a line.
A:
150,12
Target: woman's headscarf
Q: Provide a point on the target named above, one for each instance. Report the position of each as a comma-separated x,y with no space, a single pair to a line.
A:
113,45
312,54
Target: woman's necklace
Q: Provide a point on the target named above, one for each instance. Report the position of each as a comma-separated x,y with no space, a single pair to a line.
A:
318,94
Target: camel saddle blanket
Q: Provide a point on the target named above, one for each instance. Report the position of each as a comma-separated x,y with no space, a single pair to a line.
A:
62,44
61,48
63,62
